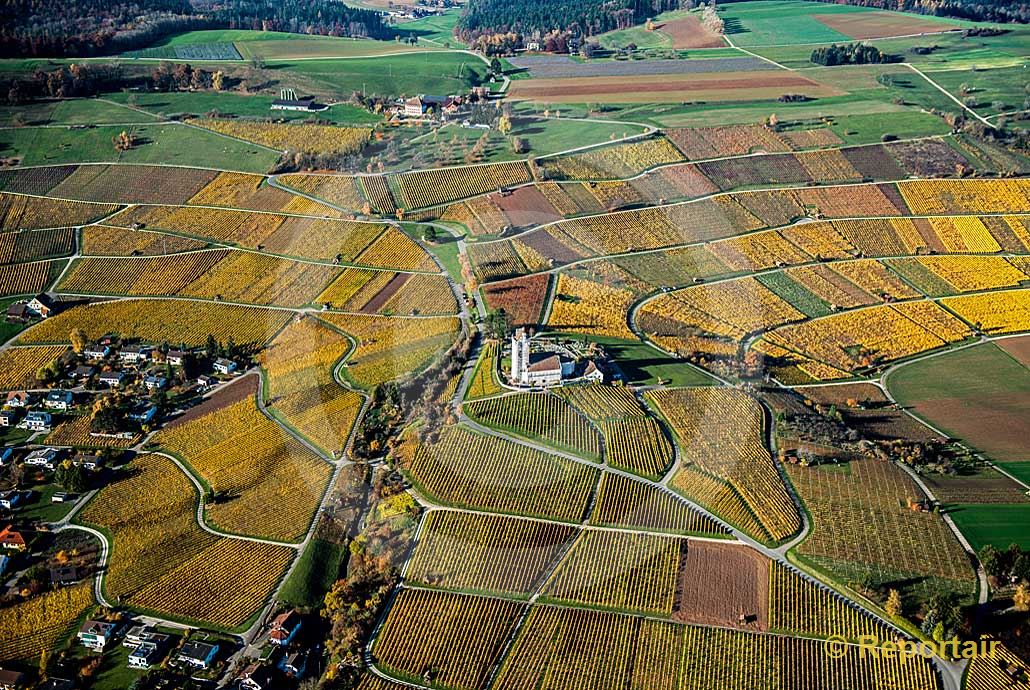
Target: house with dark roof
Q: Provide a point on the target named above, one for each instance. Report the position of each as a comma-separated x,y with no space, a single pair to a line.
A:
285,627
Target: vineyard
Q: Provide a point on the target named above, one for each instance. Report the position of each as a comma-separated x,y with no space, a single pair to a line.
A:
271,483
484,379
455,638
286,137
132,184
486,553
18,365
608,162
17,247
162,561
424,188
469,470
623,502
157,321
102,240
32,213
42,622
299,367
721,432
28,279
543,417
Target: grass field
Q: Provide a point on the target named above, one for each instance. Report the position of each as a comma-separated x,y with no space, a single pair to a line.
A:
978,394
316,571
171,144
999,525
201,102
79,111
643,365
426,72
433,30
1019,470
995,90
274,45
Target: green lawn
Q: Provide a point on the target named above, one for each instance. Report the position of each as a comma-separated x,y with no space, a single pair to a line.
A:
643,365
201,102
867,129
979,394
78,111
1019,470
428,72
445,248
992,523
995,90
9,330
316,571
167,143
275,45
41,509
436,29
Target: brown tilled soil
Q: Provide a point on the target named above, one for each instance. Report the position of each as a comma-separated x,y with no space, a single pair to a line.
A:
1018,348
238,390
862,25
689,32
719,583
522,298
526,206
999,426
839,395
383,296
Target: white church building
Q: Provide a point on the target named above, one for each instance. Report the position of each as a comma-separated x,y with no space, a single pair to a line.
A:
545,368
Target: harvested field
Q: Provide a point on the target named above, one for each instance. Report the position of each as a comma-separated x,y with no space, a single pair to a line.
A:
672,88
526,206
557,67
863,25
1018,348
522,298
133,184
689,32
928,157
721,583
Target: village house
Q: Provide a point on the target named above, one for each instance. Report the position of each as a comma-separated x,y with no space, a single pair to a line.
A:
43,457
96,352
96,635
256,677
113,379
294,665
198,654
143,413
205,381
285,628
133,354
10,540
88,461
38,421
155,382
10,499
41,306
64,575
421,105
141,633
12,680
18,313
177,357
225,366
9,418
58,400
288,101
19,399
149,652
81,372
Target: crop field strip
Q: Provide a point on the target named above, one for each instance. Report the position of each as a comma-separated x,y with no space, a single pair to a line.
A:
544,417
162,561
273,482
42,622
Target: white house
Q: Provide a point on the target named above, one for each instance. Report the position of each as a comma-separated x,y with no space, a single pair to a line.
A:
176,357
96,635
40,305
94,352
155,382
224,366
112,379
198,654
19,399
38,421
43,457
58,400
132,354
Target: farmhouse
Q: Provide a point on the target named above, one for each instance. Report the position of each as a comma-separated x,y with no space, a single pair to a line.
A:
19,399
11,540
420,105
64,575
96,635
41,306
288,101
95,352
81,372
18,312
284,628
131,354
177,357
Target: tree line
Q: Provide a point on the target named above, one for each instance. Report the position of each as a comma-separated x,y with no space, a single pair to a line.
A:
83,28
579,17
1000,11
850,54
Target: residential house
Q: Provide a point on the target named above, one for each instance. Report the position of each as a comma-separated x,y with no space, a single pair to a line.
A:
59,497
10,499
12,680
18,312
8,418
58,400
38,421
142,633
294,665
41,306
5,455
148,653
225,366
19,399
143,413
81,372
96,635
198,654
205,381
133,354
155,382
88,461
43,457
177,357
256,677
96,352
592,373
65,575
285,628
113,379
11,540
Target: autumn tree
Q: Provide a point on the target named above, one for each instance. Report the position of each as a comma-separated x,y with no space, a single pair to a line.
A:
893,605
1021,599
124,141
78,339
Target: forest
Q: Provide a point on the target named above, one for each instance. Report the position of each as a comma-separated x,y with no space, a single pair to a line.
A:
1002,11
586,17
83,28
